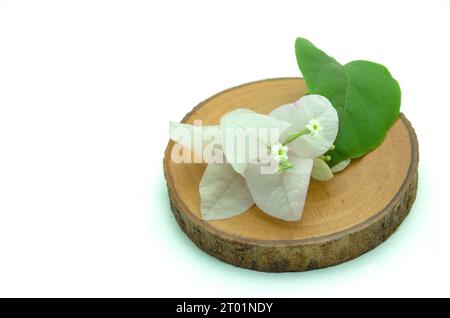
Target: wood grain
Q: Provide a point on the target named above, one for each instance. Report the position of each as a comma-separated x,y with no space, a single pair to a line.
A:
343,218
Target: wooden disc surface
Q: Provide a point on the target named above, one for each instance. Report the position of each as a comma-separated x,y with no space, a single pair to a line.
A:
343,218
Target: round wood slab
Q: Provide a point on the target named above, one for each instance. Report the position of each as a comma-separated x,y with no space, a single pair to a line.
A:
343,218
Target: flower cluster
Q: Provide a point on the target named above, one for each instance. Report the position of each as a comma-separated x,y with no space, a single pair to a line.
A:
276,180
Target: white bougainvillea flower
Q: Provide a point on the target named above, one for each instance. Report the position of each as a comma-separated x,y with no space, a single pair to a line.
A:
315,113
340,166
312,131
296,136
247,135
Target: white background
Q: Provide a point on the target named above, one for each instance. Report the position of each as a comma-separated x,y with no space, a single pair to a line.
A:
86,92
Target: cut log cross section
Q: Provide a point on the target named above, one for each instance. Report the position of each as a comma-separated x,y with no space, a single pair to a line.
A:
343,218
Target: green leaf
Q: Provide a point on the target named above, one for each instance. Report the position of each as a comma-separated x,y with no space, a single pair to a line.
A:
365,95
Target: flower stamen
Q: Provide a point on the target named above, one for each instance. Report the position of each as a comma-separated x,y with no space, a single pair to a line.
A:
314,127
279,152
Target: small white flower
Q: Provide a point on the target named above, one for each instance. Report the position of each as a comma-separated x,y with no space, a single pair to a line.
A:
314,127
279,152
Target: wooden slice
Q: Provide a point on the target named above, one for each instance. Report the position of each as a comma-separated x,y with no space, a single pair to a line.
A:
343,218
